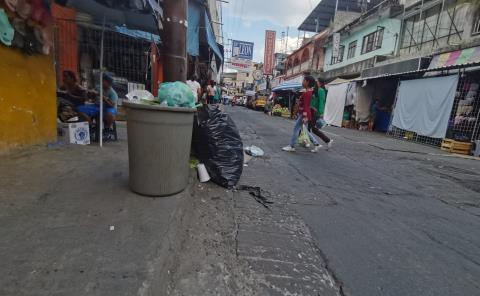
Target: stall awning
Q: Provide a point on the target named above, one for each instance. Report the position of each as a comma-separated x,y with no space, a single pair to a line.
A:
138,34
462,57
147,19
395,68
212,41
288,86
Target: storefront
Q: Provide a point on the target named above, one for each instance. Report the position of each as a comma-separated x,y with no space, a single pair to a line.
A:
443,104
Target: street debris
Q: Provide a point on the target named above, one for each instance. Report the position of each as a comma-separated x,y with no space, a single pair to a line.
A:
218,145
170,94
176,94
203,175
139,96
261,196
254,151
112,228
193,162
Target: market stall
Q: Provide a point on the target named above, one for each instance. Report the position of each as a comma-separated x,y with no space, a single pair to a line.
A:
285,96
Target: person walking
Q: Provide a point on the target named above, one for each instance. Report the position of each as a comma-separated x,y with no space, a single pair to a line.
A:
304,114
217,93
210,92
196,88
318,109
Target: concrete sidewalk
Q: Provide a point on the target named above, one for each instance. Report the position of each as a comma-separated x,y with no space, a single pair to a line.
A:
70,226
388,143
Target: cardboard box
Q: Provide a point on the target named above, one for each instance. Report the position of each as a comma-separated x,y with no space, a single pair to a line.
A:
74,133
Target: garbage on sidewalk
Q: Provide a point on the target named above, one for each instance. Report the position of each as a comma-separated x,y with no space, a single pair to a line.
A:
254,151
203,175
176,94
218,145
140,96
170,94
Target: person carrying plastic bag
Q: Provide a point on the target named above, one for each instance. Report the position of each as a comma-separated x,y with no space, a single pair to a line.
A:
304,115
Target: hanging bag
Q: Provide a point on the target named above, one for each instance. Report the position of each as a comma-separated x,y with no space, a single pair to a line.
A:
304,138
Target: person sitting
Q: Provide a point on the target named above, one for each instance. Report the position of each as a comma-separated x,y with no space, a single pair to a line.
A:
110,98
69,96
71,91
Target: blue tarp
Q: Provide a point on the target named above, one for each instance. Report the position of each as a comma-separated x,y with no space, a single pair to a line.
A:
288,86
212,41
138,34
194,15
145,20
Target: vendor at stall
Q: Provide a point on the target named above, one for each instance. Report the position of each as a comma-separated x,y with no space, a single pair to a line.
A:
69,97
110,98
71,91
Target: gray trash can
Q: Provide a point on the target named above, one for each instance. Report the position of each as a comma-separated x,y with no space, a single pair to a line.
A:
159,141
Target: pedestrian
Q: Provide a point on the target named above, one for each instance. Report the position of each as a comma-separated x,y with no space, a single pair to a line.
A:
110,100
210,92
318,109
217,93
195,87
304,114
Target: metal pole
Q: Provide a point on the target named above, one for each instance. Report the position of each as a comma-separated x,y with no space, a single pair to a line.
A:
298,38
286,42
175,31
335,15
101,84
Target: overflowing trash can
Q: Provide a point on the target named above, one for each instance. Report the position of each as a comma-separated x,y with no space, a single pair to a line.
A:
159,141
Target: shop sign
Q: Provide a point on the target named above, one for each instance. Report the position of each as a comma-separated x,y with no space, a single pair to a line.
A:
240,65
242,50
268,59
336,45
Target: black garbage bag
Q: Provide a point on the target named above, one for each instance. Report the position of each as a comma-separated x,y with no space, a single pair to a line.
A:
217,144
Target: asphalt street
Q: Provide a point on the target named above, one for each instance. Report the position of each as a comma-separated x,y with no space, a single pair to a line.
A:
386,217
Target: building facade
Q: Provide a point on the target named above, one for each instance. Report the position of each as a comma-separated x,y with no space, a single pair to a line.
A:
309,58
371,38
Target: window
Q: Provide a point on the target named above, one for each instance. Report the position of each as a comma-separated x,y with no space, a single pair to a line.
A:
476,24
352,48
339,59
373,41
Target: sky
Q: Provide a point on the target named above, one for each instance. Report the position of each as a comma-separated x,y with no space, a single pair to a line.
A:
247,20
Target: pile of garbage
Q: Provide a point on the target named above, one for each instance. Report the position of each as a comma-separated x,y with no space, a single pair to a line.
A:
171,94
218,146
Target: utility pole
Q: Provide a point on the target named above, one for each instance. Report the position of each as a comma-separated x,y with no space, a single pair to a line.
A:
175,40
286,42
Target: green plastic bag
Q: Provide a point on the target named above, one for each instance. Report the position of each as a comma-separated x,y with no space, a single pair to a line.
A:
304,138
176,94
